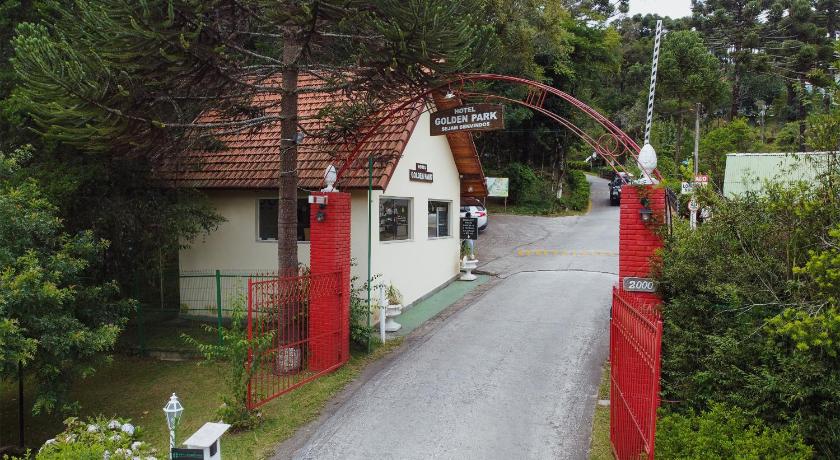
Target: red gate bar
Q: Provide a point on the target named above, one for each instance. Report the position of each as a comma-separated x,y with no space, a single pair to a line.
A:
295,329
635,363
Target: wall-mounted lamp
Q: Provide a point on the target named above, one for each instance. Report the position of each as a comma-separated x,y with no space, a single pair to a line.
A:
646,213
322,215
449,94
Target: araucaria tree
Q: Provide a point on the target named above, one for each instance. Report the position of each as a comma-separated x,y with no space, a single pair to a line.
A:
130,77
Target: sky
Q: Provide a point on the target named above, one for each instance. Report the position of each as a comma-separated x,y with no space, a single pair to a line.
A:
672,8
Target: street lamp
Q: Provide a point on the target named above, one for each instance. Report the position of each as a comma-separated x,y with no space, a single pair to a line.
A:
645,213
173,410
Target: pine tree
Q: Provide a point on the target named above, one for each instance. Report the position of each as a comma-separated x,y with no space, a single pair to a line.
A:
129,78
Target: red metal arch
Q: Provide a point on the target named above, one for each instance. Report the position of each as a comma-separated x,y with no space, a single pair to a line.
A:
613,143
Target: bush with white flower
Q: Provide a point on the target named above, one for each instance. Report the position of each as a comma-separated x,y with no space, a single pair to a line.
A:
97,439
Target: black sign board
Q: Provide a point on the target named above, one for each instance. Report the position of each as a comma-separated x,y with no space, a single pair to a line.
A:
469,228
187,454
472,117
639,285
421,174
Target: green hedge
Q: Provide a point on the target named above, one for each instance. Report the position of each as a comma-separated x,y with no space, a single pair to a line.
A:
578,197
581,165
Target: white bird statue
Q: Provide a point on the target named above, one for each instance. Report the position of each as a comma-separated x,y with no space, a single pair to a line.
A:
330,176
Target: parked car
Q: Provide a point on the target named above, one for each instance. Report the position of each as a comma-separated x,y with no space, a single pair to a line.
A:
477,210
620,179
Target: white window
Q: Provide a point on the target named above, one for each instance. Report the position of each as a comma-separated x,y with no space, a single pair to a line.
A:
439,219
267,219
394,219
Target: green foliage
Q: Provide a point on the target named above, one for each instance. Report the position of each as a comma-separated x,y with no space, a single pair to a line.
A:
579,165
524,185
733,137
689,73
95,439
578,197
235,349
360,331
787,139
725,432
743,325
53,315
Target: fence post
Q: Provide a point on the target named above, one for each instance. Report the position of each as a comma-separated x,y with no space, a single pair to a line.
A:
141,325
219,305
249,400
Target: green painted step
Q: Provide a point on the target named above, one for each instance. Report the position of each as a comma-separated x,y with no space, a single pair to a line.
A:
426,309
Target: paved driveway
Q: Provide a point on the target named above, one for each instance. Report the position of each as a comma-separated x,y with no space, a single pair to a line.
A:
513,375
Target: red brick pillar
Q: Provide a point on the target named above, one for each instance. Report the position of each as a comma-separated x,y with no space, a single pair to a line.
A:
329,315
637,241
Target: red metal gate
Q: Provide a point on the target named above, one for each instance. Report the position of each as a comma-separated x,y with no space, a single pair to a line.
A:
295,330
635,363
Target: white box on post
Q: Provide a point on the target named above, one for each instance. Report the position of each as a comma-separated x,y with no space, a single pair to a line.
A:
207,439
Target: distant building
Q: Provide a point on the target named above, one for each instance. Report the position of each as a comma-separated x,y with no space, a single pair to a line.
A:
748,172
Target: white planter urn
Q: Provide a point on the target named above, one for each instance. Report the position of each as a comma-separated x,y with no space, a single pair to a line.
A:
468,265
390,312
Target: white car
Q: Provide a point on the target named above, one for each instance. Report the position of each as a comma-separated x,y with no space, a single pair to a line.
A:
476,210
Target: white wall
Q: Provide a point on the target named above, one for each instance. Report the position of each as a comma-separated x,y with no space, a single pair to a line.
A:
234,245
421,264
415,267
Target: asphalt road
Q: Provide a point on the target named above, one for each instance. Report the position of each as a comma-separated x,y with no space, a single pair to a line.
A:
513,375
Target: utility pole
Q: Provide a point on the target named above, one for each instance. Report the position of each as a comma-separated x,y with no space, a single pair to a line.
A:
697,140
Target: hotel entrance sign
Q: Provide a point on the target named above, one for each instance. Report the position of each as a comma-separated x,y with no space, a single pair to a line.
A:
472,117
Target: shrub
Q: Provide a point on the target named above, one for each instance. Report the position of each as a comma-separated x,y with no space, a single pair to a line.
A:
578,197
725,432
360,332
96,439
524,185
744,326
234,350
578,165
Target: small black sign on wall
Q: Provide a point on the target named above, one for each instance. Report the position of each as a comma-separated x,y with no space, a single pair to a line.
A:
421,173
469,228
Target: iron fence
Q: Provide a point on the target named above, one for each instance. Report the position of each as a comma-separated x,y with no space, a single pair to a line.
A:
186,302
295,330
635,365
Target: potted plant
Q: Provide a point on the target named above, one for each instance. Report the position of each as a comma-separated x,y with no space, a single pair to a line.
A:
395,297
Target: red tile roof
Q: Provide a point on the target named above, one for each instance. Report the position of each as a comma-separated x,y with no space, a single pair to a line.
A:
250,158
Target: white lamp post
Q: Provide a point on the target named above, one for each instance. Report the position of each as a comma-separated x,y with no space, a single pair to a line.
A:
173,410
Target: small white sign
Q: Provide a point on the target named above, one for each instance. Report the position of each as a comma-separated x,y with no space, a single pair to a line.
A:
686,188
631,284
693,206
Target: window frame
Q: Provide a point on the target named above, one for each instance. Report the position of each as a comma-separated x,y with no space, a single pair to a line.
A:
410,224
257,219
437,226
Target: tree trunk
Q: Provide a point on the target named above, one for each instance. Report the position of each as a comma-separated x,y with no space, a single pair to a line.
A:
678,147
801,115
736,94
287,260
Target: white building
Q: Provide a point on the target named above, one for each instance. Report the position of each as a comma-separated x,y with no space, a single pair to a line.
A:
414,240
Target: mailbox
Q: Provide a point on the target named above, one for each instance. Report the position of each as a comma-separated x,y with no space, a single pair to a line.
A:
206,439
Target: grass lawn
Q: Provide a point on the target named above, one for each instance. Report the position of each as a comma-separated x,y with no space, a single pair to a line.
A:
601,448
166,334
138,388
